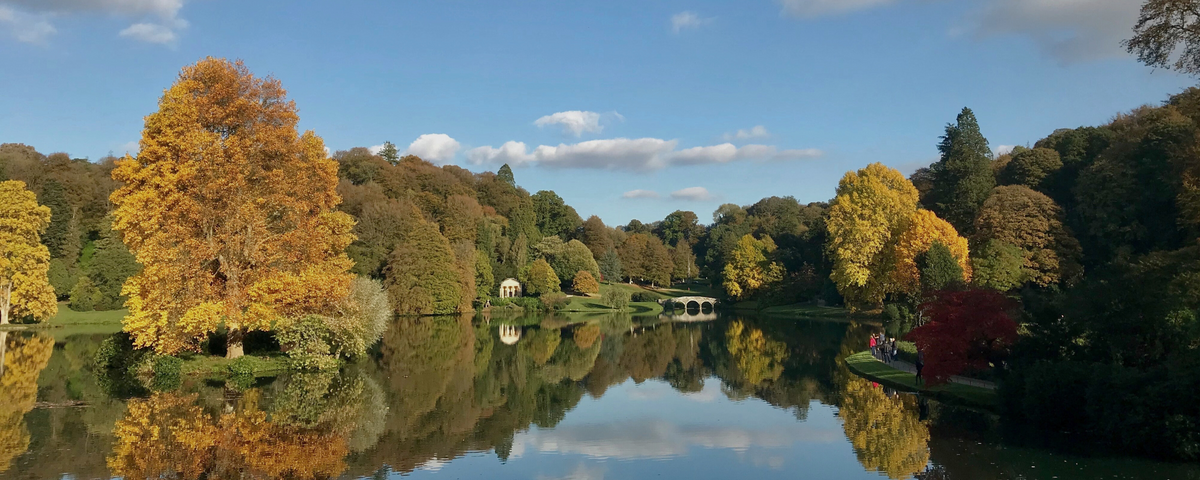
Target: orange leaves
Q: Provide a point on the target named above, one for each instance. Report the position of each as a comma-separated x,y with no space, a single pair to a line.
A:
922,230
228,205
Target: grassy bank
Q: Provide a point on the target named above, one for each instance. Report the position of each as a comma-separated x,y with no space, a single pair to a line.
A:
214,366
580,304
866,366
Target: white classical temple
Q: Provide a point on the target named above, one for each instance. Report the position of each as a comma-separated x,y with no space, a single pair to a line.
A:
510,334
510,288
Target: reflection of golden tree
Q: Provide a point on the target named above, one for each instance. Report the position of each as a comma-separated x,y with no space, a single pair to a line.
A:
886,433
541,344
586,335
169,436
23,358
758,359
164,436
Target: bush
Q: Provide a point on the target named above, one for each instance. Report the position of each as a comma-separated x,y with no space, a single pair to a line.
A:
361,321
555,301
242,367
643,297
166,372
616,298
84,295
306,341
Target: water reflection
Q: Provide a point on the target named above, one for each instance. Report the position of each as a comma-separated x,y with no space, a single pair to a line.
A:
508,397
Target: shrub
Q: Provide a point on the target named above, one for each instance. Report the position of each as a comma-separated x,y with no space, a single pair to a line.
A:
361,321
616,298
555,301
242,367
166,372
306,341
84,295
644,297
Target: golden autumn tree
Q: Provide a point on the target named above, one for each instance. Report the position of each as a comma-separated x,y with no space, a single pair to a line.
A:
22,359
230,211
921,231
25,290
748,270
887,435
870,211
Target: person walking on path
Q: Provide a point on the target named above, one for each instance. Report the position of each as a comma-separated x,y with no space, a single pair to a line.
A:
920,366
874,348
895,350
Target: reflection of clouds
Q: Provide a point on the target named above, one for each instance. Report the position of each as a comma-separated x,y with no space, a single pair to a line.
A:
581,472
710,393
660,439
432,465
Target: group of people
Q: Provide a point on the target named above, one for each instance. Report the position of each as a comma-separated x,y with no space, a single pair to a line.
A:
885,349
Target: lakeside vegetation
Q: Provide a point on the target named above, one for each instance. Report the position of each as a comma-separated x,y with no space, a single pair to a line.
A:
1065,269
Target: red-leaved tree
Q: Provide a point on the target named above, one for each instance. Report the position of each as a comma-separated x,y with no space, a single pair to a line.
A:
968,329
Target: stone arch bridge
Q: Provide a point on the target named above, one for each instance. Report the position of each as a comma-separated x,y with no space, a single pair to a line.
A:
692,302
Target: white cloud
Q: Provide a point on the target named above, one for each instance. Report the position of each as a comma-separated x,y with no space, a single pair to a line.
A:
692,194
1069,31
149,33
574,121
744,134
639,155
581,472
1004,149
640,194
131,148
685,20
375,149
25,27
817,8
29,20
432,147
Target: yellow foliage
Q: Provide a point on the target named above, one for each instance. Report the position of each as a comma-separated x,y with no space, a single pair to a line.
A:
758,359
886,432
921,231
231,213
25,290
748,271
870,210
23,358
169,436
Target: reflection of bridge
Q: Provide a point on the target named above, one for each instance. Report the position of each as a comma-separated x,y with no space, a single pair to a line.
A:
688,302
688,317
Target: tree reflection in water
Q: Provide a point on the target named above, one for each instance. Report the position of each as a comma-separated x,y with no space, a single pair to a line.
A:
884,429
22,358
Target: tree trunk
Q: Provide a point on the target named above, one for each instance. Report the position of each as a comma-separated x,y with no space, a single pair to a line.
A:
5,303
233,343
3,347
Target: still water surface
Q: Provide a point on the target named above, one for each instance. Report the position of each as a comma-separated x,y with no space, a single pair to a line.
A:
616,397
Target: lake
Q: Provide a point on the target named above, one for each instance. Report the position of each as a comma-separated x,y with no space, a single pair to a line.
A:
606,396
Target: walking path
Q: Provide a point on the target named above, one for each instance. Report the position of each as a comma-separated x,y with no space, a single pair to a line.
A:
974,382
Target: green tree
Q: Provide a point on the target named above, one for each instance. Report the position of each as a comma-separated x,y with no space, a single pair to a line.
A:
610,266
1032,222
939,268
554,216
111,266
1031,168
421,276
57,237
62,277
616,298
680,226
390,153
485,281
84,295
505,174
963,177
596,236
999,266
540,278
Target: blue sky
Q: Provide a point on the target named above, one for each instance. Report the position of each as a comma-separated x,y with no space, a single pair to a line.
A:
627,109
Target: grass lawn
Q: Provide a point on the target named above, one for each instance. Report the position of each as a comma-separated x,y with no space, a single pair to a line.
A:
69,322
580,304
866,366
211,365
